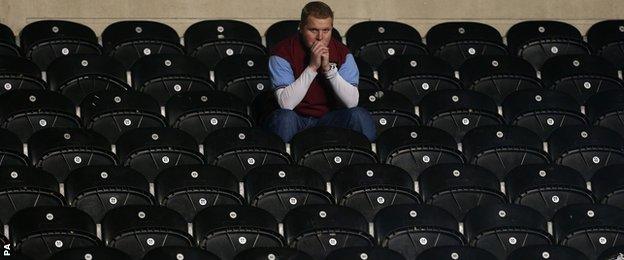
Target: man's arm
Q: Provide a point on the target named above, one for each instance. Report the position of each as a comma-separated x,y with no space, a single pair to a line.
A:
288,91
344,82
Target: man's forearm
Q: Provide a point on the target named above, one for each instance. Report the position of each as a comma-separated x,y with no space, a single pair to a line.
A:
290,96
347,93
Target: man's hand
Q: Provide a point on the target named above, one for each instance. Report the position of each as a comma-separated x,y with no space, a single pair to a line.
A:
325,60
317,51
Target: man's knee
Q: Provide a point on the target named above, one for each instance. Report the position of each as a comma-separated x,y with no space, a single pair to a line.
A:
359,114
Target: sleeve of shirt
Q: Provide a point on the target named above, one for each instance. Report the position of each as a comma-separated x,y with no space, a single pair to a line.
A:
349,70
281,72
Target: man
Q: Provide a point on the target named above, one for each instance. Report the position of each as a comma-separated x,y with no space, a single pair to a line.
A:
315,79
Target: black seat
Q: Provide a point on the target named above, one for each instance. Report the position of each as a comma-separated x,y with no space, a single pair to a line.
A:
367,79
43,41
79,75
98,189
280,188
188,189
285,28
606,40
128,41
364,253
227,230
607,109
7,42
15,255
23,187
40,232
150,150
179,252
27,111
19,73
164,75
546,187
590,228
498,76
136,229
212,40
502,228
262,253
243,75
95,252
415,76
536,41
456,42
541,111
11,149
547,252
456,252
411,229
374,41
327,149
608,185
612,253
388,109
457,188
318,230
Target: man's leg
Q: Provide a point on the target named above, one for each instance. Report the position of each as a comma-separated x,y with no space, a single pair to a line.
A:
285,123
357,118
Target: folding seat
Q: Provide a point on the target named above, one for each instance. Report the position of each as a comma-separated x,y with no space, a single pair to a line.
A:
498,76
546,187
612,253
19,73
456,42
179,252
458,111
11,149
212,40
79,75
128,41
388,109
40,232
367,80
606,40
188,189
374,41
15,256
606,109
547,252
536,41
415,76
98,189
227,230
608,185
270,186
23,187
43,41
7,42
541,111
327,149
590,228
369,188
411,229
285,28
501,148
243,75
456,252
61,150
164,75
27,111
99,253
364,253
586,148
150,150
457,187
113,112
318,230
262,253
200,113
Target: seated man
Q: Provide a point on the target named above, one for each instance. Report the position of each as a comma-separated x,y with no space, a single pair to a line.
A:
315,79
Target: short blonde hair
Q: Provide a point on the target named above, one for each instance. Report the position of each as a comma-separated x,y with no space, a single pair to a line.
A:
316,9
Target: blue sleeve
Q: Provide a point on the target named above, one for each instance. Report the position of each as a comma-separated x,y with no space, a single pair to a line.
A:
349,70
280,71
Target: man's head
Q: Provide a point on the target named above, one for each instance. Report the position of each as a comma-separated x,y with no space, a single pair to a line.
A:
316,24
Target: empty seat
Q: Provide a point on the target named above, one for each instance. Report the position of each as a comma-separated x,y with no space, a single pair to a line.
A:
547,252
99,253
415,76
502,148
456,252
212,40
608,185
243,75
164,75
586,148
16,256
179,252
457,188
280,188
536,41
415,148
546,187
7,42
43,41
262,253
411,229
19,73
607,109
364,253
498,76
98,189
606,40
128,41
502,228
541,111
318,230
188,189
227,230
150,150
40,232
327,149
11,149
76,76
456,42
285,28
374,41
612,253
458,111
367,79
388,109
136,229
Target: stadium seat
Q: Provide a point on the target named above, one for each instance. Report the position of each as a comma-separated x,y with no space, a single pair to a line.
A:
96,252
15,256
43,41
7,42
128,41
606,109
212,40
608,185
19,73
456,252
457,188
388,109
188,189
262,253
547,252
11,149
612,253
364,253
285,28
606,40
367,79
243,75
280,188
179,252
98,189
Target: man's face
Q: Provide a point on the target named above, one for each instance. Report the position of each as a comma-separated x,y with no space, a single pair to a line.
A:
317,29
